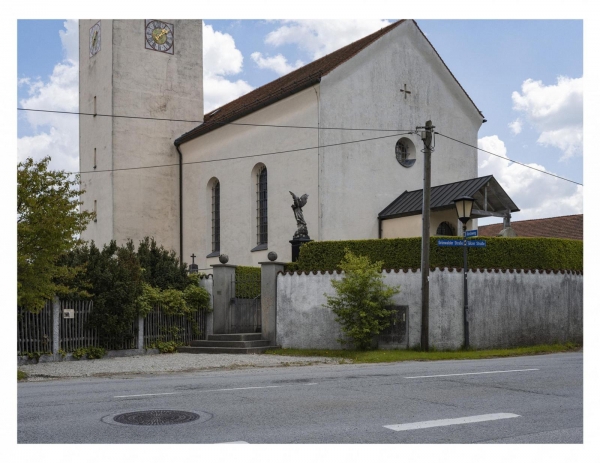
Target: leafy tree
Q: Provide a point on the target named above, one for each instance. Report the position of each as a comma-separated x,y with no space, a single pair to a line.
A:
48,225
161,267
361,299
113,277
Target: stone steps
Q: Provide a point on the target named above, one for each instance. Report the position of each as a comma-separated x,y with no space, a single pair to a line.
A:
240,343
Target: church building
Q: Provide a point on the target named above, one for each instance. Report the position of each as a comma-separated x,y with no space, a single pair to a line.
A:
340,129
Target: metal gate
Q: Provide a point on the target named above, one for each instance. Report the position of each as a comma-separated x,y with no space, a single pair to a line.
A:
243,314
396,334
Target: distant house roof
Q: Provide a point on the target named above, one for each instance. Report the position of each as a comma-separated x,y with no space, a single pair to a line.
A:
289,84
566,226
443,196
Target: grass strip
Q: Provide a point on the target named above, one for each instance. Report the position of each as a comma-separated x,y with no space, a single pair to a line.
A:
21,375
382,356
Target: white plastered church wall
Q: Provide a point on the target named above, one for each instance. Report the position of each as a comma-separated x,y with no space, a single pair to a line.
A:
359,180
295,171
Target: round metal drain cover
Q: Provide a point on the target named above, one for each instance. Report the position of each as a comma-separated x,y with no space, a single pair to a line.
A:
156,417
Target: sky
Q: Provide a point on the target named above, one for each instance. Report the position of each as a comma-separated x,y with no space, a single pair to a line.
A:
526,76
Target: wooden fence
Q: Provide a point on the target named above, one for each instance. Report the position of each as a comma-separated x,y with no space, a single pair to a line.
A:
159,326
35,332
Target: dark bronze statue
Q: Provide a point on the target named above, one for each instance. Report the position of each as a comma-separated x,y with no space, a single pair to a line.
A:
299,203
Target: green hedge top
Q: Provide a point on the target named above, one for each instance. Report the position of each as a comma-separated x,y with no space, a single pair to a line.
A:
404,253
247,282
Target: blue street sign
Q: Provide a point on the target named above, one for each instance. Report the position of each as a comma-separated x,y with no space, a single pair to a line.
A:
476,244
450,242
470,244
471,233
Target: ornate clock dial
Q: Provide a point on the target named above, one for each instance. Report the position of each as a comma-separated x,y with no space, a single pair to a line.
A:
95,39
159,36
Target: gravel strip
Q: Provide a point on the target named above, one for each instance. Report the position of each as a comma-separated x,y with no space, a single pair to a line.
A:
162,363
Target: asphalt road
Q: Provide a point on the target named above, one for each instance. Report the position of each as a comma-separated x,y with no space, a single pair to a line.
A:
535,399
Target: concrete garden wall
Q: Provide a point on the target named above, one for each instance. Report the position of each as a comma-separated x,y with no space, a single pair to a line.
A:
507,308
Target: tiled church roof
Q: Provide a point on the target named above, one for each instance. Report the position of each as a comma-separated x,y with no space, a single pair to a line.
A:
567,226
287,85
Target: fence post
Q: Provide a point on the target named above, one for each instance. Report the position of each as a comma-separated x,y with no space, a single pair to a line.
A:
55,325
206,282
223,278
140,339
268,299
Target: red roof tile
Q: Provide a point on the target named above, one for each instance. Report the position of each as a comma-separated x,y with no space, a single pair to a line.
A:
566,226
287,85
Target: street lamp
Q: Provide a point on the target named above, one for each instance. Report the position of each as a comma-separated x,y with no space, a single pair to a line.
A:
464,204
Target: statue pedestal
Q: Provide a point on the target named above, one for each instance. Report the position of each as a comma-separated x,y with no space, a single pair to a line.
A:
296,243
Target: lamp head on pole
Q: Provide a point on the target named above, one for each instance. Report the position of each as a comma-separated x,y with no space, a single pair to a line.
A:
464,204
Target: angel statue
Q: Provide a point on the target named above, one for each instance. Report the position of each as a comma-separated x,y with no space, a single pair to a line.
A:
299,203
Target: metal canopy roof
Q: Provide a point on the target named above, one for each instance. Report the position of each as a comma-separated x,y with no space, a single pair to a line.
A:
490,199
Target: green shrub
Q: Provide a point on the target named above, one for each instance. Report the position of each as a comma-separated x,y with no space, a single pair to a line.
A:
404,253
95,352
167,347
79,353
361,300
247,282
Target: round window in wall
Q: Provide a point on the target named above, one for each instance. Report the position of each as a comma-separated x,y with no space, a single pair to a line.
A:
405,152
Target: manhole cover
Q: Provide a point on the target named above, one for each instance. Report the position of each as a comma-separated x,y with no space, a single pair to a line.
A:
156,417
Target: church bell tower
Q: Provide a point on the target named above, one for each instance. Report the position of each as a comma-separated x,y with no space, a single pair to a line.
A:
135,77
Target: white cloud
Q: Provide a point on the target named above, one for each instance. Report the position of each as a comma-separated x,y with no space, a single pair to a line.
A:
538,195
516,126
56,135
319,37
277,63
556,111
221,58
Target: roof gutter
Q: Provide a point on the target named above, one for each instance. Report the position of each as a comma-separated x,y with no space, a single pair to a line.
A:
180,203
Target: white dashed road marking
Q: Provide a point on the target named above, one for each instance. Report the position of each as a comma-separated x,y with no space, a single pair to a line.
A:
477,373
449,422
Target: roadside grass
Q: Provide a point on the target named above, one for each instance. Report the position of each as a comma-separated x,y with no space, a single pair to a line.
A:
379,356
21,375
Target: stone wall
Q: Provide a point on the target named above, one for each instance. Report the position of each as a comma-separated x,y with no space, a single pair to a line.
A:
507,308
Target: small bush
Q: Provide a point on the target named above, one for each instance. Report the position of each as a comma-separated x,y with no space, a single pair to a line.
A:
247,282
95,352
21,375
361,300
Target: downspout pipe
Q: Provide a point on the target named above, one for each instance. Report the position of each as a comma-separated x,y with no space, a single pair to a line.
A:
180,203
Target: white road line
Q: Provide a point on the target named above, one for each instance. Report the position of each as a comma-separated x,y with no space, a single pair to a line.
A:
208,390
234,442
477,373
449,422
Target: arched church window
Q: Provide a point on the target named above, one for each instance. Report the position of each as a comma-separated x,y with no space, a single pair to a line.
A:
445,229
261,206
216,216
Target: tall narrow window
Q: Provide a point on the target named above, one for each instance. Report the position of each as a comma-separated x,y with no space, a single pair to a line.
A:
261,207
95,210
216,216
94,158
95,107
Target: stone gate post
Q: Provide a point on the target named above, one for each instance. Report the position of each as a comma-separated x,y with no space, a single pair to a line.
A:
268,299
223,276
206,282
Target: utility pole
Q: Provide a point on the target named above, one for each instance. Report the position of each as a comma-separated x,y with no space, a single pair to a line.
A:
427,137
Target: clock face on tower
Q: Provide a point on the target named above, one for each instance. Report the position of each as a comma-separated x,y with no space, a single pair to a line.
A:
160,36
95,39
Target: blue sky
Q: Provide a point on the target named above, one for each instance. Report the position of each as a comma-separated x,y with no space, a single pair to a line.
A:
526,76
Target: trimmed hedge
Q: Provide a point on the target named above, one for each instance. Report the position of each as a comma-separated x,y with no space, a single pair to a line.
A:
247,282
403,253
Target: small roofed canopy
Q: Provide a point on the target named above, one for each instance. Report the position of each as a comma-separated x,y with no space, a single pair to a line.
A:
490,199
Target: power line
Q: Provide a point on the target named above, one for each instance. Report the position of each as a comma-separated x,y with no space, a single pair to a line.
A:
242,157
276,152
212,122
507,159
